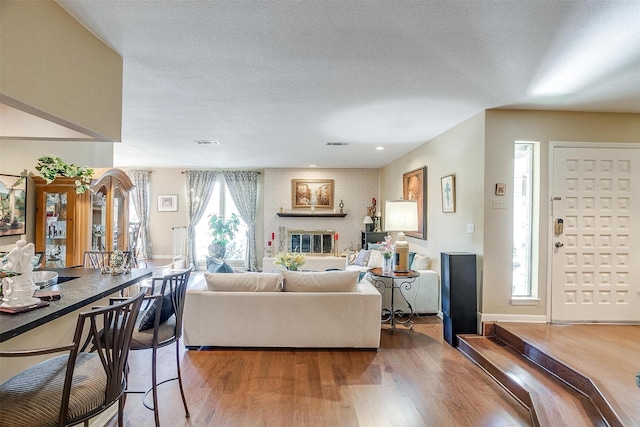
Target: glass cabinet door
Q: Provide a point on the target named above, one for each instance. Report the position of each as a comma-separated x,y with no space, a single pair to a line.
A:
120,220
99,220
58,232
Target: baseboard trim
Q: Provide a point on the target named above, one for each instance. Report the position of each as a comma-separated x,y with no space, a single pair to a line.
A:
524,318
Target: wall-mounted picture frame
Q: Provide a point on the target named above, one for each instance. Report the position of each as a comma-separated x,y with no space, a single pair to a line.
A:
448,191
307,193
501,189
13,205
167,203
414,187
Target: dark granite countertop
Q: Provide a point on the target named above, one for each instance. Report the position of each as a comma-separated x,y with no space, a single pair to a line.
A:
89,286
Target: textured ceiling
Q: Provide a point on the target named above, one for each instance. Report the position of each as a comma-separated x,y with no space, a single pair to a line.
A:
274,81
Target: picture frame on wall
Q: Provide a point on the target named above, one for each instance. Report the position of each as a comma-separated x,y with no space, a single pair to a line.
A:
167,203
13,205
414,187
448,191
316,193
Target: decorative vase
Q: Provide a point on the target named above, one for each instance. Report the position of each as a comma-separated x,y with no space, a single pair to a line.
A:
217,250
387,264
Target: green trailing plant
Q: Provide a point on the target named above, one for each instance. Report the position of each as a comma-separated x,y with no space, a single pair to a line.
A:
50,167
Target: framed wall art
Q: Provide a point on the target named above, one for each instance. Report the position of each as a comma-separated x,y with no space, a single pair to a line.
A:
167,203
448,191
307,193
13,205
414,187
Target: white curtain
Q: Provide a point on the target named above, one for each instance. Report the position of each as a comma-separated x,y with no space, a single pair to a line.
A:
199,188
243,187
140,197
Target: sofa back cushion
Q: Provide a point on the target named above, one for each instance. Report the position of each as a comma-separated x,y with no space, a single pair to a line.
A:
375,259
420,262
244,282
323,281
363,258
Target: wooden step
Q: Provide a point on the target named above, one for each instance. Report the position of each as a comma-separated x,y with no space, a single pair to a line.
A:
553,362
550,401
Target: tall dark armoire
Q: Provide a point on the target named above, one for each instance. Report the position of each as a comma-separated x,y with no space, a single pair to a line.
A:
459,295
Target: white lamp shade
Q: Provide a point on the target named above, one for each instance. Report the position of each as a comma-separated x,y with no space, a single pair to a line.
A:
401,215
367,220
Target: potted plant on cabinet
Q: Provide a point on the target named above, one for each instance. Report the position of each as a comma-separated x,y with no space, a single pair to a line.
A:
222,231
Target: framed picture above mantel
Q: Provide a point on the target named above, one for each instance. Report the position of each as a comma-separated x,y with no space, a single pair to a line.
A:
312,193
414,187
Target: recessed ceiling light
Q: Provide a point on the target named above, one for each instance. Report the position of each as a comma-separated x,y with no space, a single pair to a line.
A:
379,148
312,166
206,142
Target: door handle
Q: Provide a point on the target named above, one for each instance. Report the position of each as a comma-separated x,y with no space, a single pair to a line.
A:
558,245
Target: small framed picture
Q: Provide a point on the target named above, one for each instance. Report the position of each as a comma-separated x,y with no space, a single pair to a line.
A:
501,189
168,203
448,191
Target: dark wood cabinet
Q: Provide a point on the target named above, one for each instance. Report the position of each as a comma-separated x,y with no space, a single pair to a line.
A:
372,237
459,295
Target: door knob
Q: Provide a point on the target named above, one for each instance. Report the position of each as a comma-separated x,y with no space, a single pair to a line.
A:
558,245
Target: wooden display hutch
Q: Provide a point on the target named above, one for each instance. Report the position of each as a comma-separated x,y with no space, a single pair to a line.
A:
110,211
62,222
68,224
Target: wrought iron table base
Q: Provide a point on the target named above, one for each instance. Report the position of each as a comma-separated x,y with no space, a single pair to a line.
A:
398,281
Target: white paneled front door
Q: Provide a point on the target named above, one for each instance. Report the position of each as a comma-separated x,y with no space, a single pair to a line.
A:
595,254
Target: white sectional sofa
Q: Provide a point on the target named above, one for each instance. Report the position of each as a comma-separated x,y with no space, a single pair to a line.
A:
424,295
288,309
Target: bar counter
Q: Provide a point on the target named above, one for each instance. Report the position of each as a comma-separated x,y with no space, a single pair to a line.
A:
88,287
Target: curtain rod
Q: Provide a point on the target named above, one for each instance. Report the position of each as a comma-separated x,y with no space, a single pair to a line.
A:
258,172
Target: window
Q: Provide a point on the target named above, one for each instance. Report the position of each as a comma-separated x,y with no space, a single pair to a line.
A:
525,213
221,202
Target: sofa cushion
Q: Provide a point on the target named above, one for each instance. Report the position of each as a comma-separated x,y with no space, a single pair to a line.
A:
374,246
363,258
324,281
375,260
149,317
215,265
246,282
420,262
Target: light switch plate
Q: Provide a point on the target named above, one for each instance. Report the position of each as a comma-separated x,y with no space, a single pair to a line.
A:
499,203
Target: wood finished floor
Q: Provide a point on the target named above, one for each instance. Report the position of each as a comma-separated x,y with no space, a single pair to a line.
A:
412,380
608,354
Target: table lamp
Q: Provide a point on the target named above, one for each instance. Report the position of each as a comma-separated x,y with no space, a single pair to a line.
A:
367,223
401,216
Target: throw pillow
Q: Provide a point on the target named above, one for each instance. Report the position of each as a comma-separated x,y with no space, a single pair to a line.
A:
375,260
363,258
215,265
420,262
324,281
246,282
166,311
374,246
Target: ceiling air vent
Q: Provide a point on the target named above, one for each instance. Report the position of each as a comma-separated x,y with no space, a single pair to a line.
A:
206,142
337,143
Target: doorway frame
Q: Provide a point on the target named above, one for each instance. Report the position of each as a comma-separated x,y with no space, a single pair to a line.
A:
552,146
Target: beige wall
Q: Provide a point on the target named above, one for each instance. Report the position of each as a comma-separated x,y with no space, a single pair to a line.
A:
503,128
479,152
355,186
17,157
54,67
458,151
